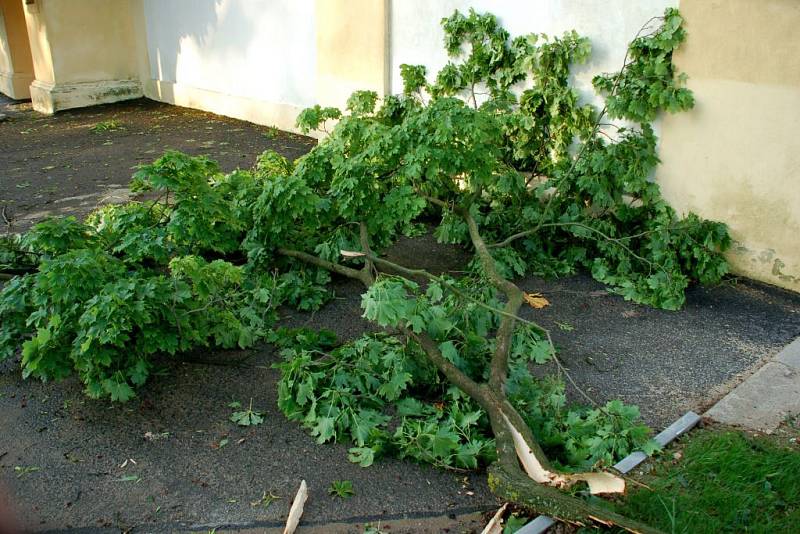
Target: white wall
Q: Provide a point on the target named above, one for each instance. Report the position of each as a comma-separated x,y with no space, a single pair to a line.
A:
264,50
417,37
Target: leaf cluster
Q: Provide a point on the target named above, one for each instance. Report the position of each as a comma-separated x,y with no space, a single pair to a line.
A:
649,82
143,279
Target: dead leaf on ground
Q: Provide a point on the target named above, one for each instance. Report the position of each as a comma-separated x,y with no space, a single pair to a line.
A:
536,301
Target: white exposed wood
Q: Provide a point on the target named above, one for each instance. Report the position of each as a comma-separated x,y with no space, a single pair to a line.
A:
495,526
529,462
296,510
688,421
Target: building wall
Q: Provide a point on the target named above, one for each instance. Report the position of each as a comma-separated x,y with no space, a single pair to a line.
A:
252,59
352,49
89,51
16,63
736,156
417,37
84,53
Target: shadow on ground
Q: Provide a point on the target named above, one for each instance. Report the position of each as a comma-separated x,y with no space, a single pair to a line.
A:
171,460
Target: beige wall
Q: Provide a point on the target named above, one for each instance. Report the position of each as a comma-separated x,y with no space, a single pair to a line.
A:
95,39
352,48
86,52
736,156
16,63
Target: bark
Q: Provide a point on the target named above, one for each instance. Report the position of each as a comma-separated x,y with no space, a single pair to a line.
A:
506,478
513,485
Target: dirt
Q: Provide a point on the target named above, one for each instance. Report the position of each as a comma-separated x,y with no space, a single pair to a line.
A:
161,463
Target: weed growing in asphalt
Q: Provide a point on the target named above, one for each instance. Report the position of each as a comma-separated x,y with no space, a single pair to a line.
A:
247,417
106,126
342,489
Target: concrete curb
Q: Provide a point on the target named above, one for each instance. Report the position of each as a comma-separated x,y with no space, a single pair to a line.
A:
764,400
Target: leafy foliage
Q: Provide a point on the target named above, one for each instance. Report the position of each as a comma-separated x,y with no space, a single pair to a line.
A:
499,135
360,390
649,82
247,417
508,153
139,280
342,489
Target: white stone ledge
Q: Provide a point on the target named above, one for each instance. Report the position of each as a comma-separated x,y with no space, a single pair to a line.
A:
49,98
280,115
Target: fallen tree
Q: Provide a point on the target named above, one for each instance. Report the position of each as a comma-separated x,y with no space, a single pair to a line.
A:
500,151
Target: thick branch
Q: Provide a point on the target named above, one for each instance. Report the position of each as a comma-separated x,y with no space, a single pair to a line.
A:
505,332
506,477
349,272
513,485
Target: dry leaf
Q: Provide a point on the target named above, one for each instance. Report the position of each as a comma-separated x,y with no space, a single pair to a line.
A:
536,300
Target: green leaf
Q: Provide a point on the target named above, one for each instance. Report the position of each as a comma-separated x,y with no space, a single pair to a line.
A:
363,456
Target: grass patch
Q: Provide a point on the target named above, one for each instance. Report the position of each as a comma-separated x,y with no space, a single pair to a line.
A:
722,481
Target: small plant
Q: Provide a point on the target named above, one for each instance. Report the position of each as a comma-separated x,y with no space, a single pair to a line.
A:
369,528
247,417
267,498
25,470
342,489
106,126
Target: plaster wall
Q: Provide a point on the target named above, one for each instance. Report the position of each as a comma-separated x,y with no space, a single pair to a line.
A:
352,49
95,40
84,53
253,59
417,37
16,63
736,156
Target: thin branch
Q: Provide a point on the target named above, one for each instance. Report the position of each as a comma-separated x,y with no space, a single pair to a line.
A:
598,121
618,241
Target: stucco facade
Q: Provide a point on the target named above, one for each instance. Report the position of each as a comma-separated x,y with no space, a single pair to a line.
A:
734,158
16,61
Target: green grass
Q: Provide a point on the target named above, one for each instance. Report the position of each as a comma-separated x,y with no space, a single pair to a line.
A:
723,481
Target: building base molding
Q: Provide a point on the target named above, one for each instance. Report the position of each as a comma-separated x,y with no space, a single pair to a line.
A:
16,85
49,98
278,115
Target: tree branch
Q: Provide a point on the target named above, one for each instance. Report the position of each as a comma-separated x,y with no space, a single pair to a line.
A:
364,277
